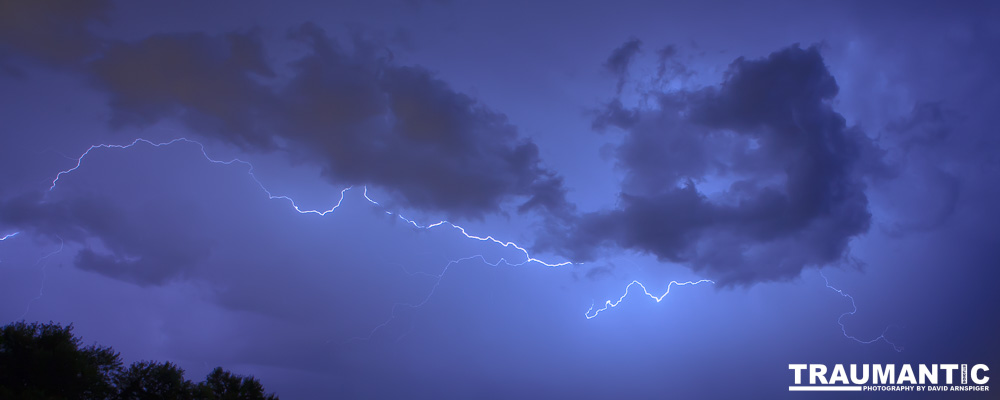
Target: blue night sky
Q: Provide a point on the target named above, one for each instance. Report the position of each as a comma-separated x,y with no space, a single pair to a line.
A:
761,146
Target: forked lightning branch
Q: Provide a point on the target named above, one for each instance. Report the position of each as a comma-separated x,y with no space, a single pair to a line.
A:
890,378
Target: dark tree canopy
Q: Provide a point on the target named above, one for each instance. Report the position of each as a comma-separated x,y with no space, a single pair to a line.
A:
45,361
223,385
151,380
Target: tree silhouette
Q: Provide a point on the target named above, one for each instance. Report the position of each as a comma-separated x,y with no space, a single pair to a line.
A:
151,380
45,361
223,385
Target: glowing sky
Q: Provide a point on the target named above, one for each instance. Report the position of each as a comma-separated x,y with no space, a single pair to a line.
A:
280,214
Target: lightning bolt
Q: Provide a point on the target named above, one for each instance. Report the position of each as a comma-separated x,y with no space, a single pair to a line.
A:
528,258
201,147
437,282
250,171
852,312
271,196
41,287
591,313
8,236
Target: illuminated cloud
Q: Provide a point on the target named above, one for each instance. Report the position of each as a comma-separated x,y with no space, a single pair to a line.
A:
362,118
794,174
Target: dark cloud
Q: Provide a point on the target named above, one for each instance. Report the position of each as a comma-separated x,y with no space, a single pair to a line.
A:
370,121
619,60
794,175
210,82
668,65
362,118
146,248
55,32
614,114
346,108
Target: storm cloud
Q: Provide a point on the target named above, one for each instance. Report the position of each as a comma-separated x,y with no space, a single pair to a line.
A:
748,181
346,108
54,32
876,148
209,82
116,238
349,109
362,118
620,59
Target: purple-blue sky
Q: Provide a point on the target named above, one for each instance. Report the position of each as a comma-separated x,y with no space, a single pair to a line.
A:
751,144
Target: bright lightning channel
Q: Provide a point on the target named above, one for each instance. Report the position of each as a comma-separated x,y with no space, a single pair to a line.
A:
250,171
591,313
852,312
8,236
528,258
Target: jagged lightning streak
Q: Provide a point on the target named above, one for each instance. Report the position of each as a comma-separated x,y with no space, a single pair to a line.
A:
528,257
610,304
8,236
437,282
589,314
852,312
41,287
443,223
250,171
